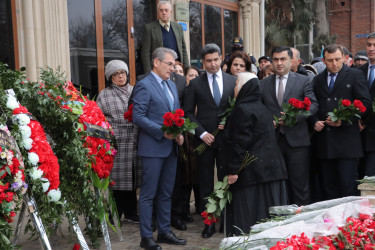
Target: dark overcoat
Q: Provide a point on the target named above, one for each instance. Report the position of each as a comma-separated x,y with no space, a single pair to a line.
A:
343,141
250,129
368,134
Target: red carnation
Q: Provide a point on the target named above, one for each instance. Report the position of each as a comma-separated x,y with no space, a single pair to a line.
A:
20,110
179,122
306,103
128,115
362,109
346,103
168,116
180,112
168,122
76,247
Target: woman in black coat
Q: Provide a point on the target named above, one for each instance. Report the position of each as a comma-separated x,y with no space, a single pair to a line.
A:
261,184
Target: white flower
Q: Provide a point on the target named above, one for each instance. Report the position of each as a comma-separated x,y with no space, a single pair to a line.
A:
27,143
45,184
33,158
54,194
36,173
23,119
12,102
25,131
3,155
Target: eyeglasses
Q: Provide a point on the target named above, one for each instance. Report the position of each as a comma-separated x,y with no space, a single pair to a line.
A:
117,74
170,64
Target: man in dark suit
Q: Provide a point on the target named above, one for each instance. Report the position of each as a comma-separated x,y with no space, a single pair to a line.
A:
338,144
153,97
207,95
294,142
368,134
163,33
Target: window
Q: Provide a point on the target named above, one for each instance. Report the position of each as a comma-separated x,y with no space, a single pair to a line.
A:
6,37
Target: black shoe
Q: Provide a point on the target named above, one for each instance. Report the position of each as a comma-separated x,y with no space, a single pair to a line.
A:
187,217
170,238
149,244
178,223
208,231
132,219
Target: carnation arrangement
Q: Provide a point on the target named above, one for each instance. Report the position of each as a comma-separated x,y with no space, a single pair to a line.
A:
347,110
44,168
12,183
44,101
175,123
292,109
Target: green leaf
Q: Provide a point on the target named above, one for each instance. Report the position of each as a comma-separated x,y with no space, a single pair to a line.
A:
8,170
211,200
218,185
211,208
97,183
222,203
2,172
220,194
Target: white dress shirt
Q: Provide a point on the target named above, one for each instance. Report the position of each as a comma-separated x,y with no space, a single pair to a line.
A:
285,80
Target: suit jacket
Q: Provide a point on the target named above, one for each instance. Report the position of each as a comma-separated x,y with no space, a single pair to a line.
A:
198,94
343,141
298,86
152,39
368,134
149,106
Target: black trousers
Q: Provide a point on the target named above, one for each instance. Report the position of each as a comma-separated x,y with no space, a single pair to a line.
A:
370,163
177,195
297,161
206,166
339,177
126,202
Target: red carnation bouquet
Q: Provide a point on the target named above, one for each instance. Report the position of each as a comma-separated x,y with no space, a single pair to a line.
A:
175,123
347,110
292,109
128,115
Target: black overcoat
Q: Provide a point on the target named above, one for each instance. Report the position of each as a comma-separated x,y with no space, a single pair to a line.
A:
250,129
343,141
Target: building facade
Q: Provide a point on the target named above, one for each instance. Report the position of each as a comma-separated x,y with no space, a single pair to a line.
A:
351,21
81,36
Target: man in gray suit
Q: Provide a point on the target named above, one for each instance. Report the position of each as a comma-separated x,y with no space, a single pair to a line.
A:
163,33
294,142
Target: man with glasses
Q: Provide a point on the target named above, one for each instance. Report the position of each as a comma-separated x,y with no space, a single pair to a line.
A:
154,96
163,33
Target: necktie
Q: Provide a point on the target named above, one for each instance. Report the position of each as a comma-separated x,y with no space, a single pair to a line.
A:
332,82
166,27
371,76
215,89
280,91
169,98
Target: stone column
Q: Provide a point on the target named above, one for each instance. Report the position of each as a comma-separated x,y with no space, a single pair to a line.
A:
42,27
186,33
250,26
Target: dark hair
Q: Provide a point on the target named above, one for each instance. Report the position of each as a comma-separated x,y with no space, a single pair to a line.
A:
264,72
239,54
332,48
371,35
281,49
210,49
192,67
